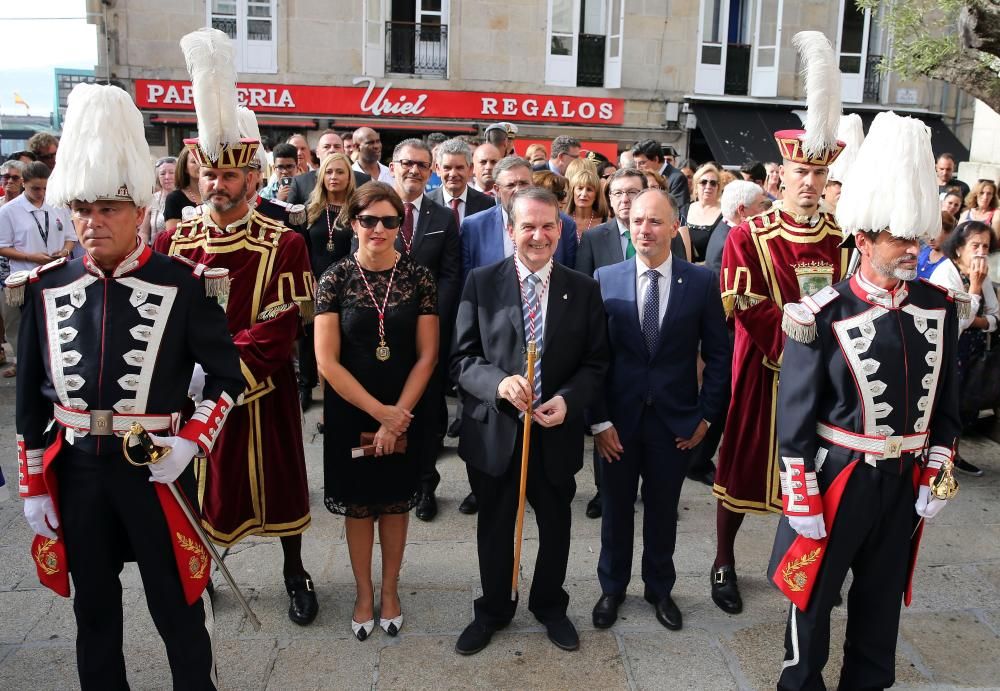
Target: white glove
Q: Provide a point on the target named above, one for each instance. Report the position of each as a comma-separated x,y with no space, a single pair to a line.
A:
812,527
174,463
197,384
927,505
38,510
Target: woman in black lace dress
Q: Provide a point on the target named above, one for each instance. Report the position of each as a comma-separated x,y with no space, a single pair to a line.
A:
376,346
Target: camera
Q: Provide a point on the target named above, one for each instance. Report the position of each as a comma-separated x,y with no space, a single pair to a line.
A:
285,181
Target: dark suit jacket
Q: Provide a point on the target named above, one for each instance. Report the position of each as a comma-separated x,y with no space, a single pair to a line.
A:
475,201
482,240
489,346
693,322
303,185
716,243
677,184
599,247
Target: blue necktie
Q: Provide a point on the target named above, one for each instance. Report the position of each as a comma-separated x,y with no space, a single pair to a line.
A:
651,312
533,315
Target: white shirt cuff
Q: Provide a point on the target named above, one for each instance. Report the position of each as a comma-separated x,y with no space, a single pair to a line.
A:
600,427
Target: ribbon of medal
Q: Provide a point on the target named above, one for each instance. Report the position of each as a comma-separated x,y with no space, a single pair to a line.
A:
539,297
382,351
329,228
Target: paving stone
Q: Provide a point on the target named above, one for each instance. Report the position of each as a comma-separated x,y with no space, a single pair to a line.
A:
21,611
759,650
686,659
340,664
957,649
23,669
511,661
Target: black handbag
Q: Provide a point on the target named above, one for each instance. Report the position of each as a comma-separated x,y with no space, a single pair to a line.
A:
981,381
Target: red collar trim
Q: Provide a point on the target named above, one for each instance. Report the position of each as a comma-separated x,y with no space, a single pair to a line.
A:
874,295
136,259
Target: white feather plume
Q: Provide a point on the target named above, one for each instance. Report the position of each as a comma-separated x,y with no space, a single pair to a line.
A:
103,147
823,104
250,130
852,132
211,62
906,201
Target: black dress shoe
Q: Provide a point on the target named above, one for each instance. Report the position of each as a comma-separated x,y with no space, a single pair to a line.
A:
563,634
606,610
427,507
594,506
705,477
475,637
455,427
469,505
303,606
726,590
666,610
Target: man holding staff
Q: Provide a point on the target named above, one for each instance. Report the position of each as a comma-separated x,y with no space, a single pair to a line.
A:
505,305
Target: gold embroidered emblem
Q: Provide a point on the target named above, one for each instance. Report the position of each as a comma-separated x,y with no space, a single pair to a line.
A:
792,574
198,561
47,560
813,277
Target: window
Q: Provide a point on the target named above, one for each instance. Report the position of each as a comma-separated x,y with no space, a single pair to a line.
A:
251,25
584,42
852,48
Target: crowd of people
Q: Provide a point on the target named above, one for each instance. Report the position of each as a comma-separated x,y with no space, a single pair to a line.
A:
662,298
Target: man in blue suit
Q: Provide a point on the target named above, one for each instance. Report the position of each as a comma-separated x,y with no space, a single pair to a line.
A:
485,239
661,311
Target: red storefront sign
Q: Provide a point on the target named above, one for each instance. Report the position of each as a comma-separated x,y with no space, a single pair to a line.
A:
374,100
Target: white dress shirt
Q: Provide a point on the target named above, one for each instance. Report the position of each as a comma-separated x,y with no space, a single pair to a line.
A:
642,285
542,290
20,221
446,196
384,174
416,213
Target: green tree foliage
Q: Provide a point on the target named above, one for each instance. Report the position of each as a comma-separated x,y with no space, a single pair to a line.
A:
957,41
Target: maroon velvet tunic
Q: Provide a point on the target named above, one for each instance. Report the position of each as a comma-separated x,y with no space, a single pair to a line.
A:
255,480
768,261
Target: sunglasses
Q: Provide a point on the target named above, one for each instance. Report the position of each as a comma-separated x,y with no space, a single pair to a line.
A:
388,222
708,183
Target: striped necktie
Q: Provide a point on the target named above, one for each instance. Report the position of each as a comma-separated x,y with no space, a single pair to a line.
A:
533,324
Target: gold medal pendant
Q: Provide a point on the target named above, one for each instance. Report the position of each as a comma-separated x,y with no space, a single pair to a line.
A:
329,247
382,352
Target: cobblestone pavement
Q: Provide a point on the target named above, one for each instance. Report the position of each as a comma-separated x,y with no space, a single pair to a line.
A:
949,637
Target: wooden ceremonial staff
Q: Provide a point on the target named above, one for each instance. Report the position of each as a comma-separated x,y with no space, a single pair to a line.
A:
525,444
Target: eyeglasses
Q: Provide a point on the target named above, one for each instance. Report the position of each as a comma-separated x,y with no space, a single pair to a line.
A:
708,183
388,222
628,194
5,177
284,166
406,163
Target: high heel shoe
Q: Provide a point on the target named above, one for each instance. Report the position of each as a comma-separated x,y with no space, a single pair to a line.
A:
391,626
362,631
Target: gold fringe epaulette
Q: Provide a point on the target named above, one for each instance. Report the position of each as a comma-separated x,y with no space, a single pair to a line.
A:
297,214
307,310
739,301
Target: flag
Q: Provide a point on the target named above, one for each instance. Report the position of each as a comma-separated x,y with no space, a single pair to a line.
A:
20,101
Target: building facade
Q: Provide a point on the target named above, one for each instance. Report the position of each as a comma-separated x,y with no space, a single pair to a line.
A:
712,78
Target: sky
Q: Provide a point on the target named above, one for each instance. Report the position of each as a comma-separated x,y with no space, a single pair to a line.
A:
36,38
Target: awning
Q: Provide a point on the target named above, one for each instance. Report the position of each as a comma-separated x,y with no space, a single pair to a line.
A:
943,140
300,123
737,134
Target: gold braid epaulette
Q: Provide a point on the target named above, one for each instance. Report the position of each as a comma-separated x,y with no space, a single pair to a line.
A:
764,221
265,228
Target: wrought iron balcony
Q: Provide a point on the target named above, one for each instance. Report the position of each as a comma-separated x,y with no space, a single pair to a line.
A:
873,80
418,49
590,61
737,69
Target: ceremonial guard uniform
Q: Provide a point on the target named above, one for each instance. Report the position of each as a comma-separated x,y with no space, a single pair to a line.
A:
867,413
254,482
770,260
99,350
